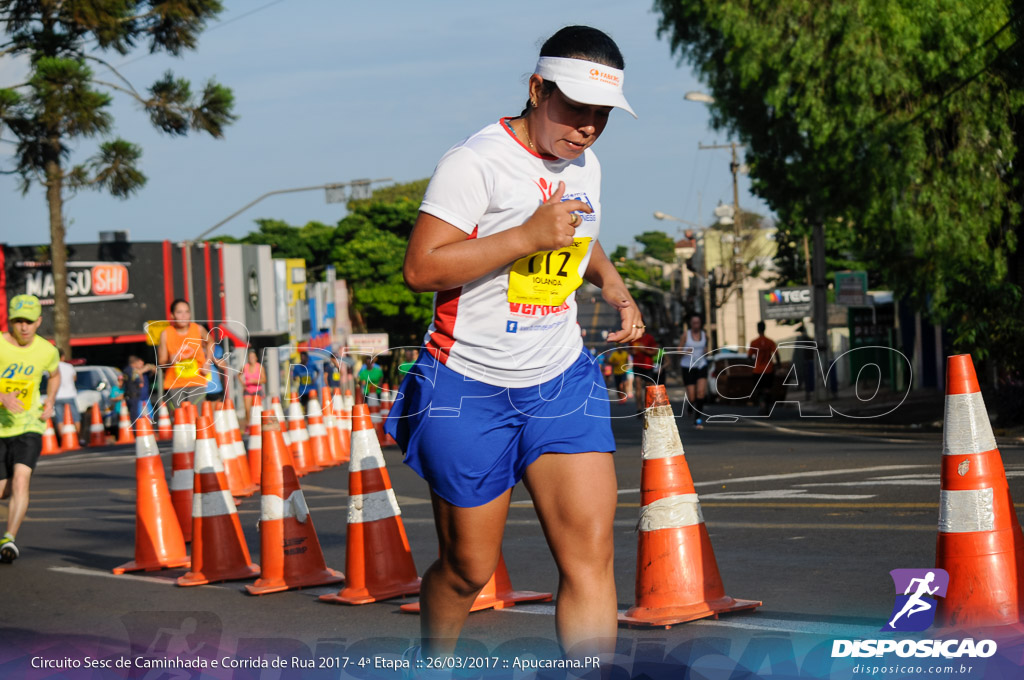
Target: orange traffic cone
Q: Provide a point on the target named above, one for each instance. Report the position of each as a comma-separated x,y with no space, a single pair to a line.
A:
349,400
496,594
275,406
299,446
677,577
378,560
285,521
330,428
164,430
124,426
239,448
342,427
182,476
207,411
254,447
159,543
980,543
239,481
50,445
373,402
219,552
68,431
387,399
318,447
97,432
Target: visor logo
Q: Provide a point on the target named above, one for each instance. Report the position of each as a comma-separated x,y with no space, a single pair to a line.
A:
603,77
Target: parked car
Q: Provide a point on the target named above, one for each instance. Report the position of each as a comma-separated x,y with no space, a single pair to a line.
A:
94,384
731,377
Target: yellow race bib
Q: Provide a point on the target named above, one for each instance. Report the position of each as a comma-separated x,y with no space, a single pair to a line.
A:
22,388
547,277
189,368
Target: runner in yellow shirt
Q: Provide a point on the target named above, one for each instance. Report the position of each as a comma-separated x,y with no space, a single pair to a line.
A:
24,358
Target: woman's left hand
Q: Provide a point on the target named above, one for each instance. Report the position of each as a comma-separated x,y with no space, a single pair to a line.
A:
617,295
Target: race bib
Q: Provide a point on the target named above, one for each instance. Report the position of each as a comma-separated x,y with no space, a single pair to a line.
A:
189,368
22,388
547,277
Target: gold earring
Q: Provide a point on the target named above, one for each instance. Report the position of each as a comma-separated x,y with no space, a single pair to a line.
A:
533,103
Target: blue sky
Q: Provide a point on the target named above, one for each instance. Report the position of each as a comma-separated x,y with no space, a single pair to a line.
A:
330,91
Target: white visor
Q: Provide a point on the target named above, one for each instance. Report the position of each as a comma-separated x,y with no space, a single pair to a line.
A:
586,82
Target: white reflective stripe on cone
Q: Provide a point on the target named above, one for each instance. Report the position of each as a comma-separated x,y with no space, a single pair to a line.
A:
179,442
145,446
370,507
206,457
366,454
966,427
966,510
70,427
660,434
313,408
96,427
673,512
182,480
274,507
317,430
213,504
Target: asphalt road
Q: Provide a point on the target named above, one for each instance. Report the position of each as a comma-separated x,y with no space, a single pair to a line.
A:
808,516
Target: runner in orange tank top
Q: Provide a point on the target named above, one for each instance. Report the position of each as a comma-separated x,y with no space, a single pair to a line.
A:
184,347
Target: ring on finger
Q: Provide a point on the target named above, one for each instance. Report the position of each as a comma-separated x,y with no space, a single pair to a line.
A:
575,220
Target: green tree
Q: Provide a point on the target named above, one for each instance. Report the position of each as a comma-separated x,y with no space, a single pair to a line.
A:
312,242
657,244
900,119
63,100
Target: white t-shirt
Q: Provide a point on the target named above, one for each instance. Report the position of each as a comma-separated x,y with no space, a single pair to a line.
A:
700,347
512,327
67,389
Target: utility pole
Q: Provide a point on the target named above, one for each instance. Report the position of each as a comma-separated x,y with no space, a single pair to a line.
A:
820,310
738,267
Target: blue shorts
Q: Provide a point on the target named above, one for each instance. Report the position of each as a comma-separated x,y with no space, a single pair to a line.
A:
472,441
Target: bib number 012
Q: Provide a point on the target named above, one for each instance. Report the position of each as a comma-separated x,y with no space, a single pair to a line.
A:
547,277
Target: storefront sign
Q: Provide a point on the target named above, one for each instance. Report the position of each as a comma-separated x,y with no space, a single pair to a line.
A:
786,303
87,281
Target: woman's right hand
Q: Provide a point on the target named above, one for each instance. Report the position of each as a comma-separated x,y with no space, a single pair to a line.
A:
550,227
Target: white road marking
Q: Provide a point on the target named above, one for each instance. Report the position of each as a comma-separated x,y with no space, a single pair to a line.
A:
773,494
743,622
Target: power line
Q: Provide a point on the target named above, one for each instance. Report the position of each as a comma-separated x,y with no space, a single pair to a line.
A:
220,24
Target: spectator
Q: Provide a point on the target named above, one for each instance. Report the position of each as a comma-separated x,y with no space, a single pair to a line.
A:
137,386
304,378
645,368
618,359
804,359
371,375
215,371
253,379
67,393
764,352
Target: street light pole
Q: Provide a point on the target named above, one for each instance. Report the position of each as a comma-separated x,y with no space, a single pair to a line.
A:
709,312
334,186
738,267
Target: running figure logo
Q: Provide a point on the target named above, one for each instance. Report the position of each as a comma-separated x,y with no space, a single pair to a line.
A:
914,610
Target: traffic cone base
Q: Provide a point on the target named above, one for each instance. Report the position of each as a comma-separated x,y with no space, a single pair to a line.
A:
378,559
97,432
692,567
289,549
980,543
159,543
219,551
677,578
